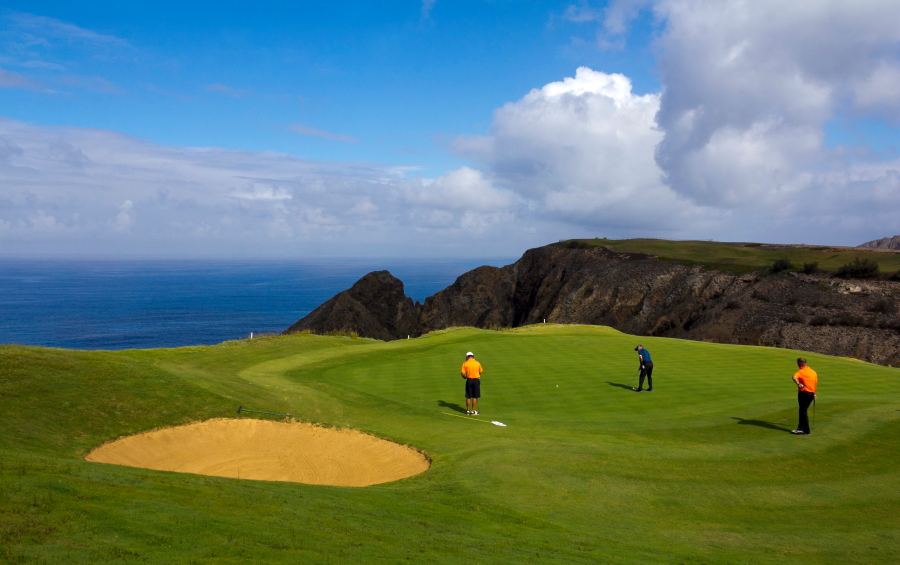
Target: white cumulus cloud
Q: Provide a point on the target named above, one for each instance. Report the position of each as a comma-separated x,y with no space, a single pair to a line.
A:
735,145
581,150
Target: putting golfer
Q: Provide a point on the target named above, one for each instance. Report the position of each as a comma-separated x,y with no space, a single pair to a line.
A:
471,371
646,368
806,380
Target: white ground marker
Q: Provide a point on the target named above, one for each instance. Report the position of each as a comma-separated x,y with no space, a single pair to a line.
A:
501,424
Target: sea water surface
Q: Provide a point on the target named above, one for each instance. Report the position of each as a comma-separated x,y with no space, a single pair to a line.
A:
105,304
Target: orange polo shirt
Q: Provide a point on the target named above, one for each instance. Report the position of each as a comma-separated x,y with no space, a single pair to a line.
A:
471,369
808,378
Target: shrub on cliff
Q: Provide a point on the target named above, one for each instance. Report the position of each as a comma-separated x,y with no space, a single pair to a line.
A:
576,244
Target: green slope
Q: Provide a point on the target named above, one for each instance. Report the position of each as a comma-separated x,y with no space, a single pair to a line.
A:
702,470
744,256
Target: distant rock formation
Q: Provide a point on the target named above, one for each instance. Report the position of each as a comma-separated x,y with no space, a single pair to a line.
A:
637,294
375,306
883,243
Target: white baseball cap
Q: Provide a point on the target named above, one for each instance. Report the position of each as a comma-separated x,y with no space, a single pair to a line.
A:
470,354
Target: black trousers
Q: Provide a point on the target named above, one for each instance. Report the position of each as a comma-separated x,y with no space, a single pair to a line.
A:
804,399
646,371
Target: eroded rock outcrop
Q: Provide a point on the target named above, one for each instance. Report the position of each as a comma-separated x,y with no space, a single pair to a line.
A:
883,243
637,294
375,306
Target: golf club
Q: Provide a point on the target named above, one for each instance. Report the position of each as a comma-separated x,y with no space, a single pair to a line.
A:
242,409
501,424
631,382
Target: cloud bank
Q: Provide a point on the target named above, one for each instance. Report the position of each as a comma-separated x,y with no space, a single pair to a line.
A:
740,143
88,191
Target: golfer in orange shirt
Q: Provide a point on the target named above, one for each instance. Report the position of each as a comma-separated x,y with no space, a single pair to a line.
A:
806,380
471,371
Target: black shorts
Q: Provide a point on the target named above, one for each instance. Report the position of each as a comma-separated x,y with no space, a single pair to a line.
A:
473,388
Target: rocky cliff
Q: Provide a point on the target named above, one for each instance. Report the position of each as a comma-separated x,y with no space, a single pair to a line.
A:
636,294
883,243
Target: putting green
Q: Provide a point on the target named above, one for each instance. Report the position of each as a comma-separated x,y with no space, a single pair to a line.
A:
701,470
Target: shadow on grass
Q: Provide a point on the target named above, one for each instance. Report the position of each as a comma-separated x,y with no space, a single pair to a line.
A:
451,406
620,385
761,424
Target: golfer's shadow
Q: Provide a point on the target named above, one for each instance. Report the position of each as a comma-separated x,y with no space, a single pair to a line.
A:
620,385
761,424
451,406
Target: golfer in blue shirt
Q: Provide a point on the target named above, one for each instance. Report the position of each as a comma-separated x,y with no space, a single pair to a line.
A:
646,368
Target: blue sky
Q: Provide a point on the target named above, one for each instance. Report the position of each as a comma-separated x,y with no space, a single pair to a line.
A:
392,76
424,128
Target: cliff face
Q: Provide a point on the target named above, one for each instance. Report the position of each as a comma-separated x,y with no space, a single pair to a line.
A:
375,306
883,243
637,294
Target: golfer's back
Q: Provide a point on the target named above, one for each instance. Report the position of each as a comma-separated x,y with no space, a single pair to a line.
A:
472,369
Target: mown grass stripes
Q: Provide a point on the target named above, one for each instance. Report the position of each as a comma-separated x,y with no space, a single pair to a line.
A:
702,470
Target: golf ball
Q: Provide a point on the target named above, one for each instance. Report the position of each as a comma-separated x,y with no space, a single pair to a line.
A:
557,386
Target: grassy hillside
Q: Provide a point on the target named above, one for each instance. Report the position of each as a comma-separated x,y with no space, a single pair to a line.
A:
702,470
746,256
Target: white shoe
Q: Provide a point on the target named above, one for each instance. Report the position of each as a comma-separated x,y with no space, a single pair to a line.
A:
476,413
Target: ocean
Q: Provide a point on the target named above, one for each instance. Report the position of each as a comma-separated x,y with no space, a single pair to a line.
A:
105,304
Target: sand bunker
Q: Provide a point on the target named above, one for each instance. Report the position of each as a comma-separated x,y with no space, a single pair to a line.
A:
267,451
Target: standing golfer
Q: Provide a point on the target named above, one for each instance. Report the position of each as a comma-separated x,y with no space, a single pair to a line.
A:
646,368
806,380
471,371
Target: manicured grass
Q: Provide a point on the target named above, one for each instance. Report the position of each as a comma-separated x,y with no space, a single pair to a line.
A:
701,470
744,257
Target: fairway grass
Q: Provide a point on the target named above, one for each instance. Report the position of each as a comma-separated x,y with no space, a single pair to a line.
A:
701,470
